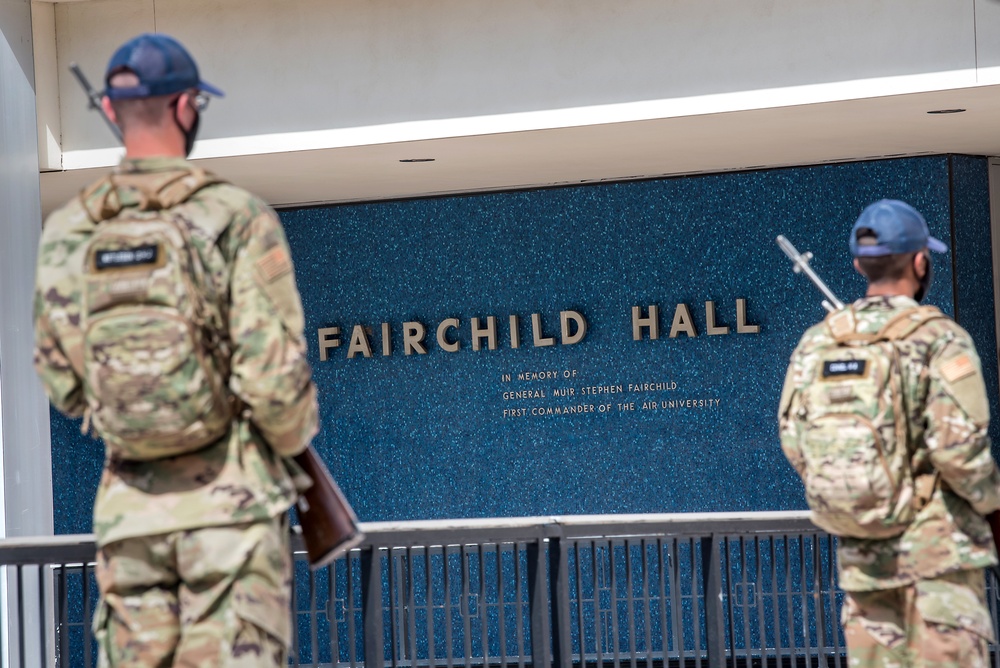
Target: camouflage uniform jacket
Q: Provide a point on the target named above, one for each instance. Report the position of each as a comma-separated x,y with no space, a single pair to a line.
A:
947,430
243,476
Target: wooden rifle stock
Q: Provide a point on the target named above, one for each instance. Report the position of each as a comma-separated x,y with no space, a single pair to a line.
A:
994,522
329,525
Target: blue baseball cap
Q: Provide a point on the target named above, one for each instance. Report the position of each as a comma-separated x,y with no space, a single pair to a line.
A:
898,228
162,65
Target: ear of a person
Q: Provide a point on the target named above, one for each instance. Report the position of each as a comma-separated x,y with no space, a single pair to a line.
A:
109,109
186,109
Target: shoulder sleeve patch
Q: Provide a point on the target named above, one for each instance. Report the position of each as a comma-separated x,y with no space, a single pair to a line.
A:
962,381
274,264
958,368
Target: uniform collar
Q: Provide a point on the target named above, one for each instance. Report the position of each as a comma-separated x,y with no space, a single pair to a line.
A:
884,303
154,164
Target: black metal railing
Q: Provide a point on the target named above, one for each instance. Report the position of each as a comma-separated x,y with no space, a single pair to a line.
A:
642,591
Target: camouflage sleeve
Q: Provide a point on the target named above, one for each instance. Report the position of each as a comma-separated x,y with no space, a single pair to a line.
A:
270,372
57,301
789,426
61,383
957,417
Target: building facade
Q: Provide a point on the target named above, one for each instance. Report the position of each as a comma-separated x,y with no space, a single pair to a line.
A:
535,240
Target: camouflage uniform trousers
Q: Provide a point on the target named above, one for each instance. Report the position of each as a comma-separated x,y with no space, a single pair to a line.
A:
931,624
215,596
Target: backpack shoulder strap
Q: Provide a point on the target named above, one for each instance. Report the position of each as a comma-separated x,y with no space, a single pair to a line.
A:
906,323
843,324
903,325
180,189
100,200
103,201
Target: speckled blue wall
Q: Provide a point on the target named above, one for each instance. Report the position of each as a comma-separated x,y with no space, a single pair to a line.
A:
426,436
972,251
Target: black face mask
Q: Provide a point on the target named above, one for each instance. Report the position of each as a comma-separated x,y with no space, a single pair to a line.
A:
190,134
925,280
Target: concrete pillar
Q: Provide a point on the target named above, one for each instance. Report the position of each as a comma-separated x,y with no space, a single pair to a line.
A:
25,451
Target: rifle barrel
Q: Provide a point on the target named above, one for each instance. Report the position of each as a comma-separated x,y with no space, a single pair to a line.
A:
801,263
94,99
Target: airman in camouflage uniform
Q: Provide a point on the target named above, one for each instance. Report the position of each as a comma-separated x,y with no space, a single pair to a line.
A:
917,598
193,560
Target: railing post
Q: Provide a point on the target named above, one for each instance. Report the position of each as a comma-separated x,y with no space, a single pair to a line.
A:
711,573
818,602
559,600
371,607
538,604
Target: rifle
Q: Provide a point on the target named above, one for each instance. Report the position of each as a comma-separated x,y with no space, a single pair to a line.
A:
800,265
94,100
993,519
329,525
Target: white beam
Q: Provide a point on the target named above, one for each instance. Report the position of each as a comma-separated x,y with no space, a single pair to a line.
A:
43,28
24,415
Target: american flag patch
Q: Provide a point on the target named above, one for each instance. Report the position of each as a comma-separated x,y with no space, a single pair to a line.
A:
274,264
958,368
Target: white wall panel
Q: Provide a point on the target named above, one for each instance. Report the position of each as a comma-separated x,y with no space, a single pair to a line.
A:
24,415
987,44
46,67
301,65
26,467
87,33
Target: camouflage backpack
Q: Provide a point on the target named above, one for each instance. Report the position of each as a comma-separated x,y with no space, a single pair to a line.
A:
154,386
856,444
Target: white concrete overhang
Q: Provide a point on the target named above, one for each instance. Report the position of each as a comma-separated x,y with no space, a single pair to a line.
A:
326,98
365,163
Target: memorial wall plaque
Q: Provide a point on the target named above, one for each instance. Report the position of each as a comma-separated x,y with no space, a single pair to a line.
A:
603,348
593,349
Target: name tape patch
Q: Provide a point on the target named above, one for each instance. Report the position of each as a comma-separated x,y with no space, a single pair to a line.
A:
841,368
121,258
